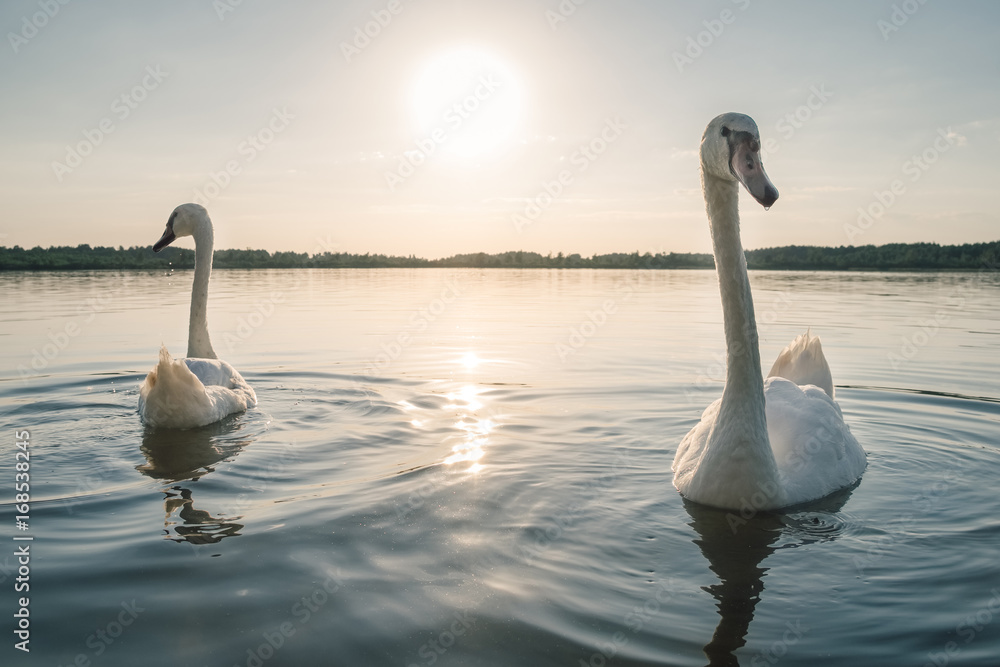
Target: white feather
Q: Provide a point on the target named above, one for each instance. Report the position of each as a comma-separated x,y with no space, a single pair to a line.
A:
803,362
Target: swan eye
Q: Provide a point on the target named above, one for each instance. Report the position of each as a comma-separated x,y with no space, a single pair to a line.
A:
749,163
725,131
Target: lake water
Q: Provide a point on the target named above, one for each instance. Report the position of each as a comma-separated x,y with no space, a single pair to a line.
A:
467,467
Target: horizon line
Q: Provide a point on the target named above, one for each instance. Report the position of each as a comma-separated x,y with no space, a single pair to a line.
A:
549,254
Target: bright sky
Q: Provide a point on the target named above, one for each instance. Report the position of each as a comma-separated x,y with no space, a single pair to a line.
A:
463,126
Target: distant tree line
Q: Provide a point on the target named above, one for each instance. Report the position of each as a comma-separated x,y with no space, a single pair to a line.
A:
894,256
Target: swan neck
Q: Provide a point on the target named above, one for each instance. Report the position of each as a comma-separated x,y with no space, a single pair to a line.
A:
744,390
199,342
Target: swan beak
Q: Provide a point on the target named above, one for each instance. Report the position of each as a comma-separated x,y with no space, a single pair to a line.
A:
747,167
165,240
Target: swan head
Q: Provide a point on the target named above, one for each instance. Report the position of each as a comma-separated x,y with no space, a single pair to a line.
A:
730,150
186,220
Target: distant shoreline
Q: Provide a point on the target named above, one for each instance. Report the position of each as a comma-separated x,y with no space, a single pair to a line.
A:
890,257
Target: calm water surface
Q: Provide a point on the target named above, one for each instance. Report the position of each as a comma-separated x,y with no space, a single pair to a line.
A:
473,468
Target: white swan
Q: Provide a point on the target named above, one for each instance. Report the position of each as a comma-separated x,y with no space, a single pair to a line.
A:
199,390
771,443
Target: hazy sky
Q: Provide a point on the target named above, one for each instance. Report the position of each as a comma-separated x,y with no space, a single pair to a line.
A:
436,131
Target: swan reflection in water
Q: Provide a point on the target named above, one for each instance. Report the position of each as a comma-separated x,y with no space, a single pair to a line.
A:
736,547
195,526
186,456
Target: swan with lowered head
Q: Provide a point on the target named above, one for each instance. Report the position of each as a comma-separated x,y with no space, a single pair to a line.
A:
201,389
765,444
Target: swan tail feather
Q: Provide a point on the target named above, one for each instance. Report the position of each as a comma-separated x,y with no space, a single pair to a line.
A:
803,363
171,394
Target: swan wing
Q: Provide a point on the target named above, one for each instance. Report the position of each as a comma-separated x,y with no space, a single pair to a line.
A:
187,393
815,450
692,448
215,373
803,363
693,476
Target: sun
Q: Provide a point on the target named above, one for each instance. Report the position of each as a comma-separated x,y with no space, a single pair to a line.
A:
470,360
466,103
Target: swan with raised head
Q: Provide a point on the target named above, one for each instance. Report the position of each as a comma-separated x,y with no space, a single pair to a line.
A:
766,443
201,389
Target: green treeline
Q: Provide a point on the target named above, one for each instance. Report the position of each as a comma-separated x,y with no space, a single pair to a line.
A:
894,256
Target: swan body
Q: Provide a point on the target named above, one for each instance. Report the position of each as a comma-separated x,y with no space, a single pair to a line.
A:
765,444
201,389
185,393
